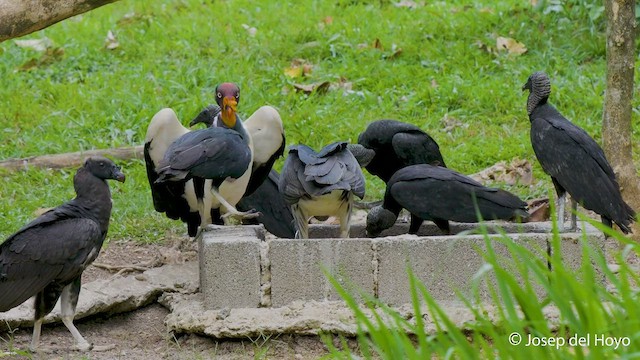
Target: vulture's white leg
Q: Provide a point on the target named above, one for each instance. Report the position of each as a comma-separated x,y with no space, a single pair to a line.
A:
560,211
231,210
35,339
574,215
68,302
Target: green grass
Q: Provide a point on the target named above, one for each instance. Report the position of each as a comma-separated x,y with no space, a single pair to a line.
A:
173,53
587,307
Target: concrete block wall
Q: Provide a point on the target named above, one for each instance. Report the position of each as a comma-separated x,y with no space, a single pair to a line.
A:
241,267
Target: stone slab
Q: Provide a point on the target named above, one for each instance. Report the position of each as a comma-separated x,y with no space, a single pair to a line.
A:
115,295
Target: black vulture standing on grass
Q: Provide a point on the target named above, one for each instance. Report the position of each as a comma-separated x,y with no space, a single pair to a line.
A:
440,195
46,257
321,184
575,162
393,145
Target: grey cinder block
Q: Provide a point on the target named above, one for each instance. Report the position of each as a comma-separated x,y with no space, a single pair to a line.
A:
297,268
230,267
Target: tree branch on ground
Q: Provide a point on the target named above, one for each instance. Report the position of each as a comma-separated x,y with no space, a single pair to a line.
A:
68,160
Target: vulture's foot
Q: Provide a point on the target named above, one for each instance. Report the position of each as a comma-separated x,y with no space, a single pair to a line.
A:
251,214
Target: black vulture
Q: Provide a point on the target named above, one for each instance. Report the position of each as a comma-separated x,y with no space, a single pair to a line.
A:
275,213
575,161
46,257
439,194
191,199
321,184
396,144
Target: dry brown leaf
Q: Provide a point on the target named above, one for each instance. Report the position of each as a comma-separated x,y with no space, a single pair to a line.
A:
343,84
35,44
449,123
517,172
377,44
394,55
317,87
511,45
110,42
434,83
298,68
539,210
293,72
328,20
50,56
534,2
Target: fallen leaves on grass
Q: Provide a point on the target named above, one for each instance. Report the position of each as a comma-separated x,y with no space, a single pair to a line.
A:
250,30
320,87
39,45
298,68
510,45
110,42
408,4
449,123
377,44
50,56
516,172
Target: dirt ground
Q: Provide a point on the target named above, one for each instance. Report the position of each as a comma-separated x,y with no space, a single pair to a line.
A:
141,334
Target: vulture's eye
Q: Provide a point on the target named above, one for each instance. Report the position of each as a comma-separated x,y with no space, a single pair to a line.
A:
219,95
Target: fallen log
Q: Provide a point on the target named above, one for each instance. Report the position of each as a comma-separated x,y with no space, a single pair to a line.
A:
75,159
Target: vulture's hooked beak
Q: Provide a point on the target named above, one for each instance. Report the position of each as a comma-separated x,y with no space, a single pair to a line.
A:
228,112
118,175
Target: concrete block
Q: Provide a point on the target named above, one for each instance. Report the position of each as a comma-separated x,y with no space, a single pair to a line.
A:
230,267
322,231
571,248
445,264
297,268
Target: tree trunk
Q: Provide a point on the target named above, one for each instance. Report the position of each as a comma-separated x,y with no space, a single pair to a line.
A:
616,122
22,17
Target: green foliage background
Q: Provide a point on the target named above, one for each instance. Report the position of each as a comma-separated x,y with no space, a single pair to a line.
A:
172,53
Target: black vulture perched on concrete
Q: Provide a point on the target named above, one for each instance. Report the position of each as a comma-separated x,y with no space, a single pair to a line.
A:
575,162
440,195
321,184
396,144
46,257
